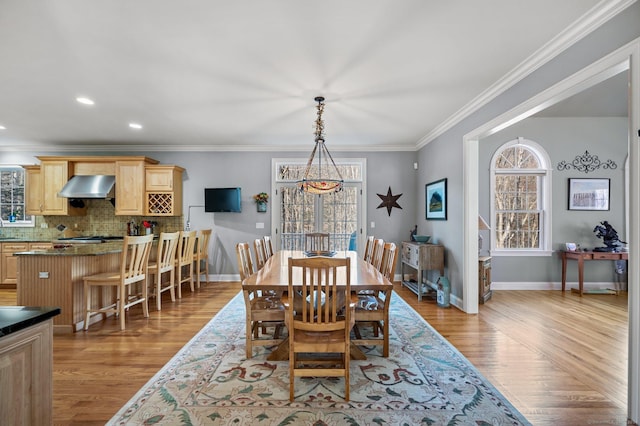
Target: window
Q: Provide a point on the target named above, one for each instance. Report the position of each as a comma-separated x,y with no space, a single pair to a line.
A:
12,197
520,190
339,214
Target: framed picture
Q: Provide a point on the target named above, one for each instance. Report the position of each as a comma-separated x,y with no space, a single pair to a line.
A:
588,194
436,200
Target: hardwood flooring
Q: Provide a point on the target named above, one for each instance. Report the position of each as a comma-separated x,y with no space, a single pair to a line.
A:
560,359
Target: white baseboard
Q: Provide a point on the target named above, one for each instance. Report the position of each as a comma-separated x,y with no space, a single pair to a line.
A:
506,285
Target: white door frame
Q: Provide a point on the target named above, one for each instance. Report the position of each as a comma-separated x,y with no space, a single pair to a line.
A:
626,57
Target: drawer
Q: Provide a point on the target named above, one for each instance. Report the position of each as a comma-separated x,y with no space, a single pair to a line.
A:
606,256
410,255
14,247
40,246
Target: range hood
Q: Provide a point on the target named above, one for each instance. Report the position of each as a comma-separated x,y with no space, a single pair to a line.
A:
94,186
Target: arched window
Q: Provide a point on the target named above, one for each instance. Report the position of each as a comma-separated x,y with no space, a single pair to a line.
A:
521,199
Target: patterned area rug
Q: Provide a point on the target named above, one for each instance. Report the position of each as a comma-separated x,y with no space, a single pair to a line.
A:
424,381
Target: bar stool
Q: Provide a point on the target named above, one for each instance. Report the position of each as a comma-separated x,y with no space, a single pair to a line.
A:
133,270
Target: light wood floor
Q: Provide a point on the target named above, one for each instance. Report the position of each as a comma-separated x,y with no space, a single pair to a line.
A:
560,359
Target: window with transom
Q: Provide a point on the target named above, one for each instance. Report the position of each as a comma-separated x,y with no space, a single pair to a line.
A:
521,202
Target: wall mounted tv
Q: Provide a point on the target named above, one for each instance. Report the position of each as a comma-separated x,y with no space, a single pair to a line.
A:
217,200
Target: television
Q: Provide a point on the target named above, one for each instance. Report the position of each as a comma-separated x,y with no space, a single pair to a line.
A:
217,200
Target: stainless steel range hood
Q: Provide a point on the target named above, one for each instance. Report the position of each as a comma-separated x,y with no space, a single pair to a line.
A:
95,186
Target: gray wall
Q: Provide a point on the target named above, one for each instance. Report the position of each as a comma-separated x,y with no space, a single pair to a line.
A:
444,154
564,139
252,172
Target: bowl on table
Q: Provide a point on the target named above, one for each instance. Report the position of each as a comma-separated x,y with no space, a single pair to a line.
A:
421,238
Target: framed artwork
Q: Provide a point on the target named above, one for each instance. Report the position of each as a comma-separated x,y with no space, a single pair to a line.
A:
588,194
436,200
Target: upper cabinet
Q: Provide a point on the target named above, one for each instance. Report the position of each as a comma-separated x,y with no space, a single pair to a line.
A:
143,187
163,190
130,187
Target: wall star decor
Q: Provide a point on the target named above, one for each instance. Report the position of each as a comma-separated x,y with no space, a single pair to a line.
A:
389,201
586,163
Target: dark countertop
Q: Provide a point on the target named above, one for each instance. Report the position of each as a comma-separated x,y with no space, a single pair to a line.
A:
77,250
16,318
4,239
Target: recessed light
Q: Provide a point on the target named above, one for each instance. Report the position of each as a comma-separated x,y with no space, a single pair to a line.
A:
2,127
84,101
135,126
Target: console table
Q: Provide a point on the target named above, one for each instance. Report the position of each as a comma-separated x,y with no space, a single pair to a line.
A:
581,257
420,257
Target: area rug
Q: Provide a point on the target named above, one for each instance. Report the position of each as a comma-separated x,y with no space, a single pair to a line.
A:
424,381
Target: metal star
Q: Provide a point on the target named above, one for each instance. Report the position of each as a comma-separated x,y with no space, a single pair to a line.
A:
389,201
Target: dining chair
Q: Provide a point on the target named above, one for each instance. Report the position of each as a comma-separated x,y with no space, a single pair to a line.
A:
368,249
268,246
164,262
373,306
319,318
184,260
316,241
262,311
261,255
201,255
130,282
378,250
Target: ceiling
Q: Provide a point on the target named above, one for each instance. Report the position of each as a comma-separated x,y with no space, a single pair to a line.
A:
239,75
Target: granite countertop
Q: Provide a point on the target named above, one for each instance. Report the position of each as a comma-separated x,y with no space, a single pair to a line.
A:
16,318
76,250
4,239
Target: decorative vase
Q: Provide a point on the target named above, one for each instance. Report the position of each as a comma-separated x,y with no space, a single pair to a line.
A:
262,206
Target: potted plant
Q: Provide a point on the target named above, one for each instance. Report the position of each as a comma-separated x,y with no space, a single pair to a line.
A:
261,201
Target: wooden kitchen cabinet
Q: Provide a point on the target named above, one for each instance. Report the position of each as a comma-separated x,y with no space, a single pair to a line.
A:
33,197
130,185
9,263
163,190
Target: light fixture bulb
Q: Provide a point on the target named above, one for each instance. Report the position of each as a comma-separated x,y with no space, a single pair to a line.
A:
84,100
135,126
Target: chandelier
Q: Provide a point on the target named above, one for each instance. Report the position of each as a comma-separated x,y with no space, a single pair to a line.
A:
323,182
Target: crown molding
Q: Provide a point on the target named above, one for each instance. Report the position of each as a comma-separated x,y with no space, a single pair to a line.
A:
587,23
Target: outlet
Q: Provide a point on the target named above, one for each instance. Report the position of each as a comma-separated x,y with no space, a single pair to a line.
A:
259,225
44,225
373,224
43,275
75,226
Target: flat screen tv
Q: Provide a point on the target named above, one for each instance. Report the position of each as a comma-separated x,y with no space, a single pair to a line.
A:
218,200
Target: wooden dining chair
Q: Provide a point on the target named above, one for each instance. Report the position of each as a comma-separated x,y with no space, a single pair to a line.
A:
268,246
261,255
184,260
263,311
130,282
316,241
201,255
164,262
319,325
376,255
373,307
368,249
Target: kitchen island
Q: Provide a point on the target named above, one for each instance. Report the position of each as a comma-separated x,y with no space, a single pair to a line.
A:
26,360
54,277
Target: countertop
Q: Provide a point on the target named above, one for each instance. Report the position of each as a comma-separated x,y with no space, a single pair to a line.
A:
77,250
16,318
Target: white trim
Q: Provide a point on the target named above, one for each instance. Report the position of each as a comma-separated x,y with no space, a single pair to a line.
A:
626,57
590,21
541,285
516,253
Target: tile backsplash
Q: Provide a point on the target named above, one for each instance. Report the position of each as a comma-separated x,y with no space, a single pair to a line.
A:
99,220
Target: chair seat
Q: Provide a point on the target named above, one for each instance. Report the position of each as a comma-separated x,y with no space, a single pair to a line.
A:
267,303
369,303
104,276
328,337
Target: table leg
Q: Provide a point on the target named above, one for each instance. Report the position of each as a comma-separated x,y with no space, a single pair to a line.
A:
581,274
564,272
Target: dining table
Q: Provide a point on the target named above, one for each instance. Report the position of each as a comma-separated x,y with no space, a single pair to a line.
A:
274,276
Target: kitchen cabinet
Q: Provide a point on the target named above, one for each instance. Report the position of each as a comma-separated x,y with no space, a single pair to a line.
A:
33,197
130,187
420,258
9,263
26,365
43,184
163,190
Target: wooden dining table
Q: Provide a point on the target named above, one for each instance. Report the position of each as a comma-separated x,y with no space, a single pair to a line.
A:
274,275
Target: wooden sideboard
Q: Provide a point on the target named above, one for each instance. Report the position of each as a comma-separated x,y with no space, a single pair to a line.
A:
421,258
